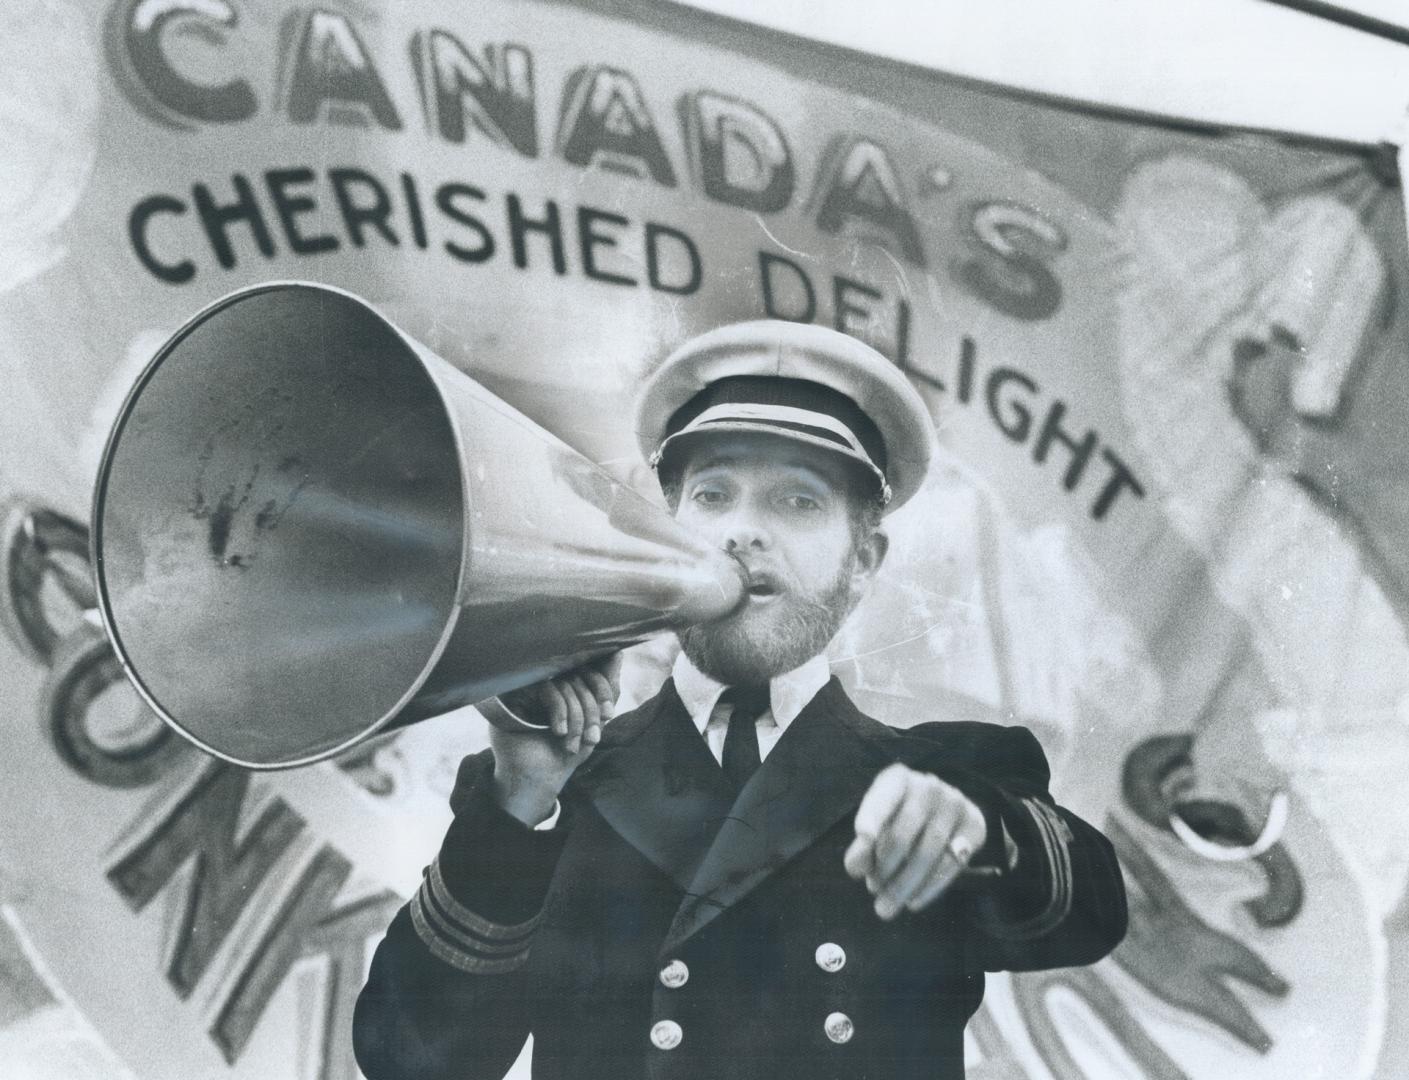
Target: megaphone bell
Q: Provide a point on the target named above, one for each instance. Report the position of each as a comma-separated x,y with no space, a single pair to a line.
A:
308,528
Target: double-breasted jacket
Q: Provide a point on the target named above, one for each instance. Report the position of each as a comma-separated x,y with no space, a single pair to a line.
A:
671,927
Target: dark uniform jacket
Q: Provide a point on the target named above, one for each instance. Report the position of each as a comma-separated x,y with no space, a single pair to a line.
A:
667,928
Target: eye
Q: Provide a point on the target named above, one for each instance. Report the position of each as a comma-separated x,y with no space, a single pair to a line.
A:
709,496
800,501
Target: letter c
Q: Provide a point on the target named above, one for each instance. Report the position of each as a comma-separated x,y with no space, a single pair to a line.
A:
154,85
174,273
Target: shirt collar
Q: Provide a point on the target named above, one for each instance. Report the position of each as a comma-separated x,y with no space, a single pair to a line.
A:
788,693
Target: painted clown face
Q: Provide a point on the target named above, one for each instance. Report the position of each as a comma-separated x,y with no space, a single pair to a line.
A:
794,516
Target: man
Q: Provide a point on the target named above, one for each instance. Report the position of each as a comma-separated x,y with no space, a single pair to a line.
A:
745,877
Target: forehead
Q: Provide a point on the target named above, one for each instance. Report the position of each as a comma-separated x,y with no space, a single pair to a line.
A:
765,456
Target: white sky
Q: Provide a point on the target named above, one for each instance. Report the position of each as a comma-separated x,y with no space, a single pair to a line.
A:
1243,63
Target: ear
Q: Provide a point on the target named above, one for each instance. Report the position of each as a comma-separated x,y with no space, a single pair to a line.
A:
870,554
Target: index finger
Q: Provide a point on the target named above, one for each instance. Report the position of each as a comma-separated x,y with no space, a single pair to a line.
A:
600,687
879,805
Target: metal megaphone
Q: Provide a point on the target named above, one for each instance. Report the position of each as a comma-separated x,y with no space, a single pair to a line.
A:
308,528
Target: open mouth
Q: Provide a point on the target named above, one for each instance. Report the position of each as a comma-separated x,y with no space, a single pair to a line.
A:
762,590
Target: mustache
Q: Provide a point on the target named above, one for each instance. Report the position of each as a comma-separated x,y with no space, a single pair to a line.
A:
765,573
781,579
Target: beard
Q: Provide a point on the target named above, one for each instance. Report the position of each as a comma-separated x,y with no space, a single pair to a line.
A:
758,642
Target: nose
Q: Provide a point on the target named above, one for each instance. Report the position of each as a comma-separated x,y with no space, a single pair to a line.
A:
744,532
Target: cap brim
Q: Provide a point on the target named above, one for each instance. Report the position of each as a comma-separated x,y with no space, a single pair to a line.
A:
684,441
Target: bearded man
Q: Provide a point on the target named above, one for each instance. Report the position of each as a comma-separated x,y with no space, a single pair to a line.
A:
745,877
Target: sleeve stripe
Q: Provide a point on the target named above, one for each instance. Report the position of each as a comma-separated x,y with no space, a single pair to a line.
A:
447,930
453,956
466,941
1054,833
467,919
1058,860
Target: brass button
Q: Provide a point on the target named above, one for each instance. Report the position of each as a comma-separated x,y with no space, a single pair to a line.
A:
666,1034
674,975
831,956
839,1028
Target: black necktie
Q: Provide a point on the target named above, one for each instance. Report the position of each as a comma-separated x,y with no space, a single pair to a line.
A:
741,755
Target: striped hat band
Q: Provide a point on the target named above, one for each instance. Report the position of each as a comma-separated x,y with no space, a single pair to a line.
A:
826,427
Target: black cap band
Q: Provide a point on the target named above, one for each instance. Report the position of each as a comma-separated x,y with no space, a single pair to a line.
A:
770,390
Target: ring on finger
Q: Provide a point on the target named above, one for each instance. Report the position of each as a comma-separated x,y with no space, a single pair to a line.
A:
961,849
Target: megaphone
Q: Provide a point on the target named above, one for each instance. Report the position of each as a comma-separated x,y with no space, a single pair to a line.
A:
308,528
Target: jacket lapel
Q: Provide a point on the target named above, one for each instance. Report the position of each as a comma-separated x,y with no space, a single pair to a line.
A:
655,782
815,776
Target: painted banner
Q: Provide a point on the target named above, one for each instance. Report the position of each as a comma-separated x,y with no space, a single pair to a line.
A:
1168,532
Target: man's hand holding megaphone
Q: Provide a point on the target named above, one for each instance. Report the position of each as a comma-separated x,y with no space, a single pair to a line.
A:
531,767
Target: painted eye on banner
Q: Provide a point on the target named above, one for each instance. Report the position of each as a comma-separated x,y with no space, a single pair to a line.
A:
1160,784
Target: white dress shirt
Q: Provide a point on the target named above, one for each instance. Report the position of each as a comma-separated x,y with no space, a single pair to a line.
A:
788,695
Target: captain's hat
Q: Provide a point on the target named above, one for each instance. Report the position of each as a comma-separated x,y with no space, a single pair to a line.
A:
796,381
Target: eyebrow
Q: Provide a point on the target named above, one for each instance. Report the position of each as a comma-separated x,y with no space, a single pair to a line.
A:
799,466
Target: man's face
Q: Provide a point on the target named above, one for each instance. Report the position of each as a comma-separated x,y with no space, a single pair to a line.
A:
784,510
